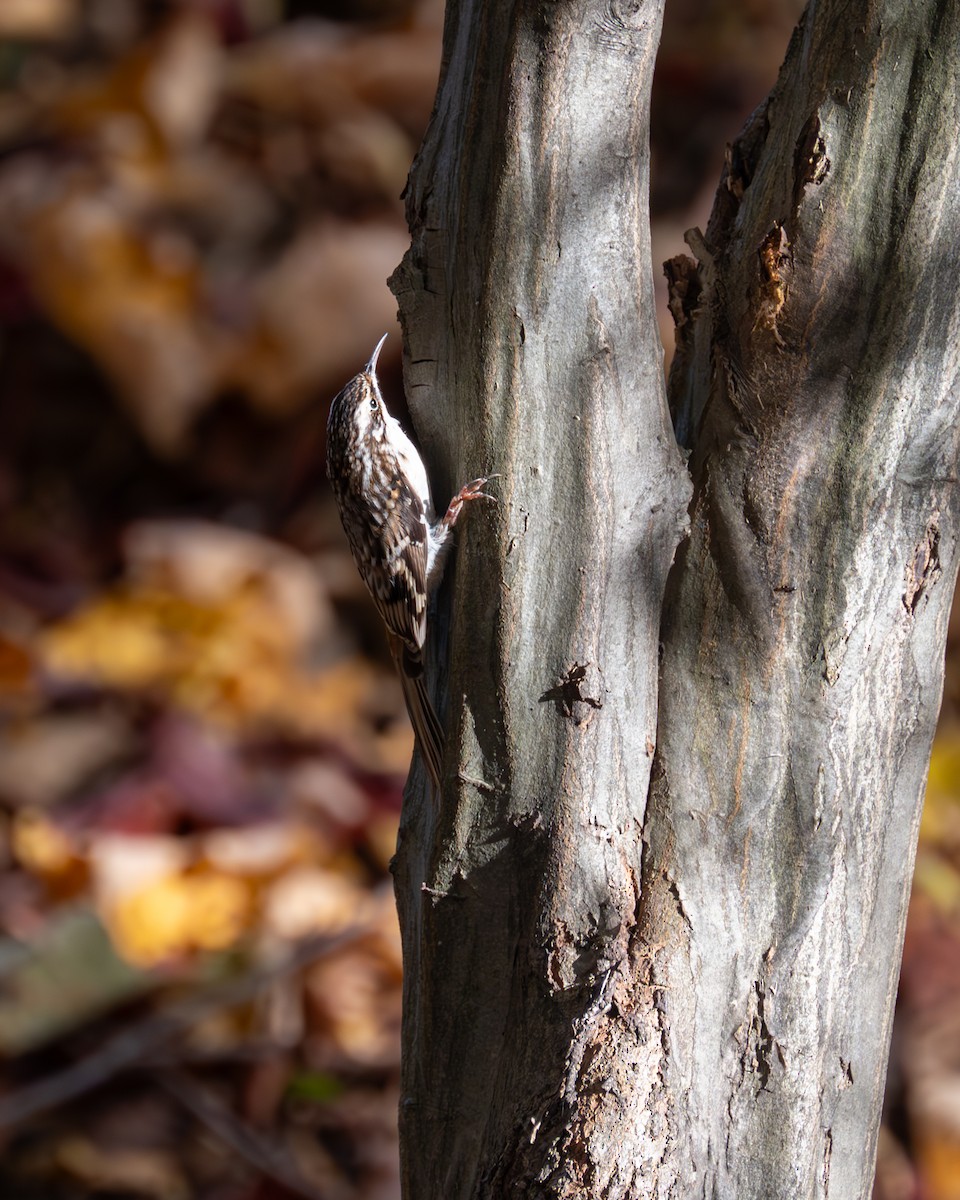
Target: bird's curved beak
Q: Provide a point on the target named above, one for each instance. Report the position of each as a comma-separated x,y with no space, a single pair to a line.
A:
371,367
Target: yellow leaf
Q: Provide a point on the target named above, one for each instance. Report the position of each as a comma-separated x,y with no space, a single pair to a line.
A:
941,813
938,1157
179,914
220,910
936,879
41,846
233,661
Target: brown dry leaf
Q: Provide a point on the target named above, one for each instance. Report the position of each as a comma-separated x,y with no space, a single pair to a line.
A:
896,1177
234,663
936,876
309,900
45,850
927,1047
303,81
381,837
355,1006
319,310
938,881
260,851
321,786
226,662
386,938
391,749
155,101
131,299
117,250
319,71
37,19
354,997
344,703
130,639
160,900
17,680
123,865
136,1171
396,71
209,563
40,845
366,152
293,70
117,277
220,622
42,759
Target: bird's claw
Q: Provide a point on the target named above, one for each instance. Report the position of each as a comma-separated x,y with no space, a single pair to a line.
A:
470,491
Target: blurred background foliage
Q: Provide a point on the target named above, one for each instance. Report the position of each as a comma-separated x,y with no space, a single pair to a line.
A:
203,745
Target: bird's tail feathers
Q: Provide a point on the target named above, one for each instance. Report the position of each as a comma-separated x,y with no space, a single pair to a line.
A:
423,716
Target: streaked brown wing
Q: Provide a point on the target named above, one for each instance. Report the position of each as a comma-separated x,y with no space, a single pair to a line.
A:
393,559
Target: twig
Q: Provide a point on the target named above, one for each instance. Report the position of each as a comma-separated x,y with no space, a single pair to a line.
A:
260,1152
130,1048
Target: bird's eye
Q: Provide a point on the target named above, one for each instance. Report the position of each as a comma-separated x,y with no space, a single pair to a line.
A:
373,402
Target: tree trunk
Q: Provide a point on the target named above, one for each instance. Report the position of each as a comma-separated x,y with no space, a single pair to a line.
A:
805,625
606,998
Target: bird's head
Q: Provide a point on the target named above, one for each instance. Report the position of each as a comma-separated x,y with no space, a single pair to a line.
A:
358,412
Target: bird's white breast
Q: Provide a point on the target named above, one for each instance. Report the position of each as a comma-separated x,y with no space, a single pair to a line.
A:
410,463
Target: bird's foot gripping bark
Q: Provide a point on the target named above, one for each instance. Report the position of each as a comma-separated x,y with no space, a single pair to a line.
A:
470,491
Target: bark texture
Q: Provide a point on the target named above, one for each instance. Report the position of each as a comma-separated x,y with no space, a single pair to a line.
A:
532,351
818,387
703,1010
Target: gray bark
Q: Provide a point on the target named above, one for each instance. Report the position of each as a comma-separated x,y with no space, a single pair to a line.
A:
691,997
805,626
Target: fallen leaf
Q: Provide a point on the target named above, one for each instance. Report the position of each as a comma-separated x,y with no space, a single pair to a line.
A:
69,974
44,758
16,671
178,915
209,564
322,786
310,900
121,866
37,19
936,1148
137,1171
133,301
940,820
332,278
44,849
355,1006
258,851
169,82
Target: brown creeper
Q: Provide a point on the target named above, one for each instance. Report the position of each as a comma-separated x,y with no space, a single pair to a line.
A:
381,487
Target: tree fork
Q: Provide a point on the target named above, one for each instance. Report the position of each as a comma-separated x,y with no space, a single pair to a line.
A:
702,1011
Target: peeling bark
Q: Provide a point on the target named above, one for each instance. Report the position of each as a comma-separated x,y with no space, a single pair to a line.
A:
605,995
